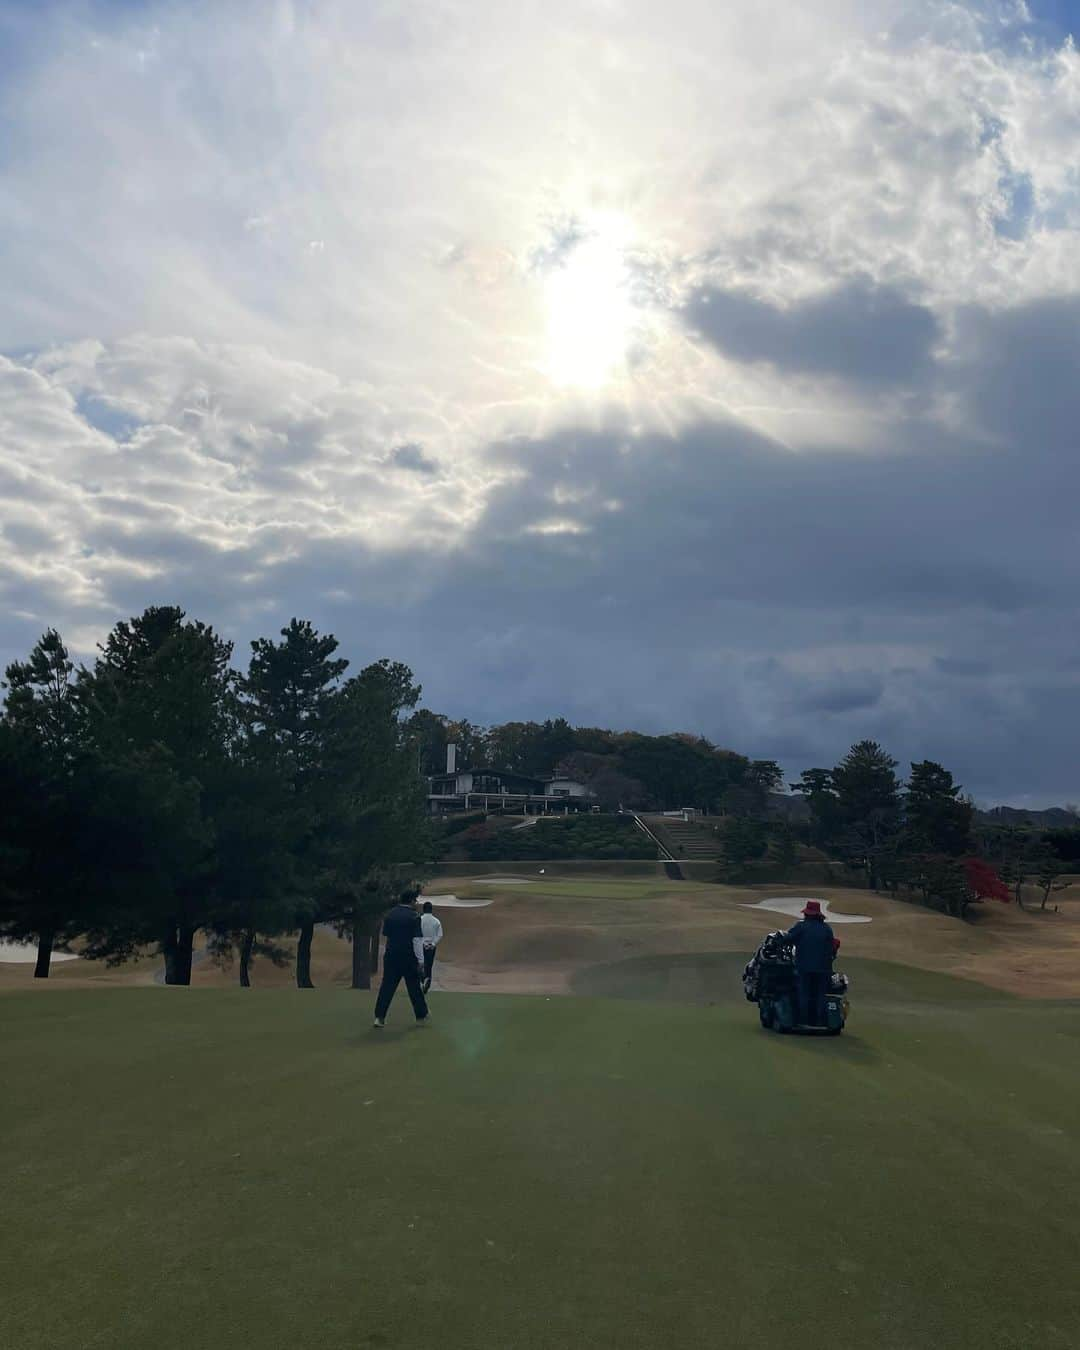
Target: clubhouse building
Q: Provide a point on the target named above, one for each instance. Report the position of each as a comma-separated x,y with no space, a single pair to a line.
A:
503,790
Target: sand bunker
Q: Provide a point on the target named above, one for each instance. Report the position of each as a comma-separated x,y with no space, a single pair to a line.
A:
25,953
793,905
455,902
500,881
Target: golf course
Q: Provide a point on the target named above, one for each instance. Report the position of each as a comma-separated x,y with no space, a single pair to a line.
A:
613,1154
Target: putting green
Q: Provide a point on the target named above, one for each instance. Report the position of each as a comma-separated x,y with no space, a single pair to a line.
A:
258,1168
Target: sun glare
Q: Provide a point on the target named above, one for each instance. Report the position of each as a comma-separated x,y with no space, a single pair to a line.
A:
590,312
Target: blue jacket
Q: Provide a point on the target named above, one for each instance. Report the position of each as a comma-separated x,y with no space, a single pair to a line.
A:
813,939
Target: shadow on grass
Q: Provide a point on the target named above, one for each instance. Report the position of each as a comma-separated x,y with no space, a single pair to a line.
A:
360,1038
845,1047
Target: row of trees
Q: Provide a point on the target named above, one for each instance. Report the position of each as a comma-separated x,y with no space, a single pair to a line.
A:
160,792
922,835
623,768
861,807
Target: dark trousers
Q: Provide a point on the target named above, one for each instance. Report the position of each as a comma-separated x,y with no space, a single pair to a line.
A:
429,962
396,968
813,985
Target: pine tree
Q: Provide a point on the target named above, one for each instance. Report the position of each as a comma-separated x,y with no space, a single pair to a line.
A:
42,892
868,797
161,712
938,820
379,830
290,695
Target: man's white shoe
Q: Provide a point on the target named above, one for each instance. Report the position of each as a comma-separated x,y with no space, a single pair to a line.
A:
379,1022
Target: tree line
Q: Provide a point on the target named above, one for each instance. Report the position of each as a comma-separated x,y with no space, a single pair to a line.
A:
923,837
622,768
159,792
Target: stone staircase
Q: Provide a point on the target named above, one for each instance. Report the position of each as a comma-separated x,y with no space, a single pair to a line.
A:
686,840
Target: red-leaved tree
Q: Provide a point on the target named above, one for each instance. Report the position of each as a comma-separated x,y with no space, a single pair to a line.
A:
984,882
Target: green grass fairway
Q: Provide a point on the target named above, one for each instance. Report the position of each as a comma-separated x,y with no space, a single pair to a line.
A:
226,1168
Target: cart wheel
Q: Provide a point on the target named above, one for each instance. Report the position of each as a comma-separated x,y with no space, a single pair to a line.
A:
765,1016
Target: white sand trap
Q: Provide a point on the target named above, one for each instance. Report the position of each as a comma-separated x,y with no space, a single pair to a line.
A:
794,906
455,902
25,953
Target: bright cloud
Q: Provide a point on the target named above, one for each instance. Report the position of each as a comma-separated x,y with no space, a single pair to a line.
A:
503,331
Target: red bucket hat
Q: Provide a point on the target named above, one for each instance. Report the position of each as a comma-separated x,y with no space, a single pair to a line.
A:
812,908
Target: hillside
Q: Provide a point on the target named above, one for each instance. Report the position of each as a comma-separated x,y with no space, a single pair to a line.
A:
1053,818
500,838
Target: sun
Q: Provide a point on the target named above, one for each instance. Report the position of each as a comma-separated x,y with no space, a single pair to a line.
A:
591,316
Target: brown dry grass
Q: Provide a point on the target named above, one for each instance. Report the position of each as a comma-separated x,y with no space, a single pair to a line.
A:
536,937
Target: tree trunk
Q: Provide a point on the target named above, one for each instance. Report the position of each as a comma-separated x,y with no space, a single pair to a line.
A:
361,955
169,952
187,946
177,949
373,943
44,954
246,944
303,956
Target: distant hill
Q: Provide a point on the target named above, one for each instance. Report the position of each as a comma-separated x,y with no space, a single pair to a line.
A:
793,807
1053,818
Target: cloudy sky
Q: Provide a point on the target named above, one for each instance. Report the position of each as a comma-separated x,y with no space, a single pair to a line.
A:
682,366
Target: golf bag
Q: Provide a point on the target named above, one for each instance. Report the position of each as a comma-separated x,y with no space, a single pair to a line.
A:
771,970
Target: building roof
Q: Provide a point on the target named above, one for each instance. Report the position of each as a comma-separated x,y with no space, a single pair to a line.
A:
508,774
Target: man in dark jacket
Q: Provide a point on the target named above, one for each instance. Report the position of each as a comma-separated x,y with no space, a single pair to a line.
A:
403,958
814,950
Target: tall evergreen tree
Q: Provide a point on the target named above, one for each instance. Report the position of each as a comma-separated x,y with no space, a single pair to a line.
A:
868,797
161,708
43,897
41,703
428,734
937,818
379,826
290,694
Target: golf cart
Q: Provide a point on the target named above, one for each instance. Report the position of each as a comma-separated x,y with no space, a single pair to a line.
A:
769,981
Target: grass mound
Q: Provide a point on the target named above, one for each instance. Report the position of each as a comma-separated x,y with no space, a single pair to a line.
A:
219,1168
601,837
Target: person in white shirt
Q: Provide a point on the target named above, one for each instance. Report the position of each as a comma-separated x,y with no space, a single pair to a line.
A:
431,930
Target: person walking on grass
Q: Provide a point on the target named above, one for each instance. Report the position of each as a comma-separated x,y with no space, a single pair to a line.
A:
815,947
432,936
403,958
